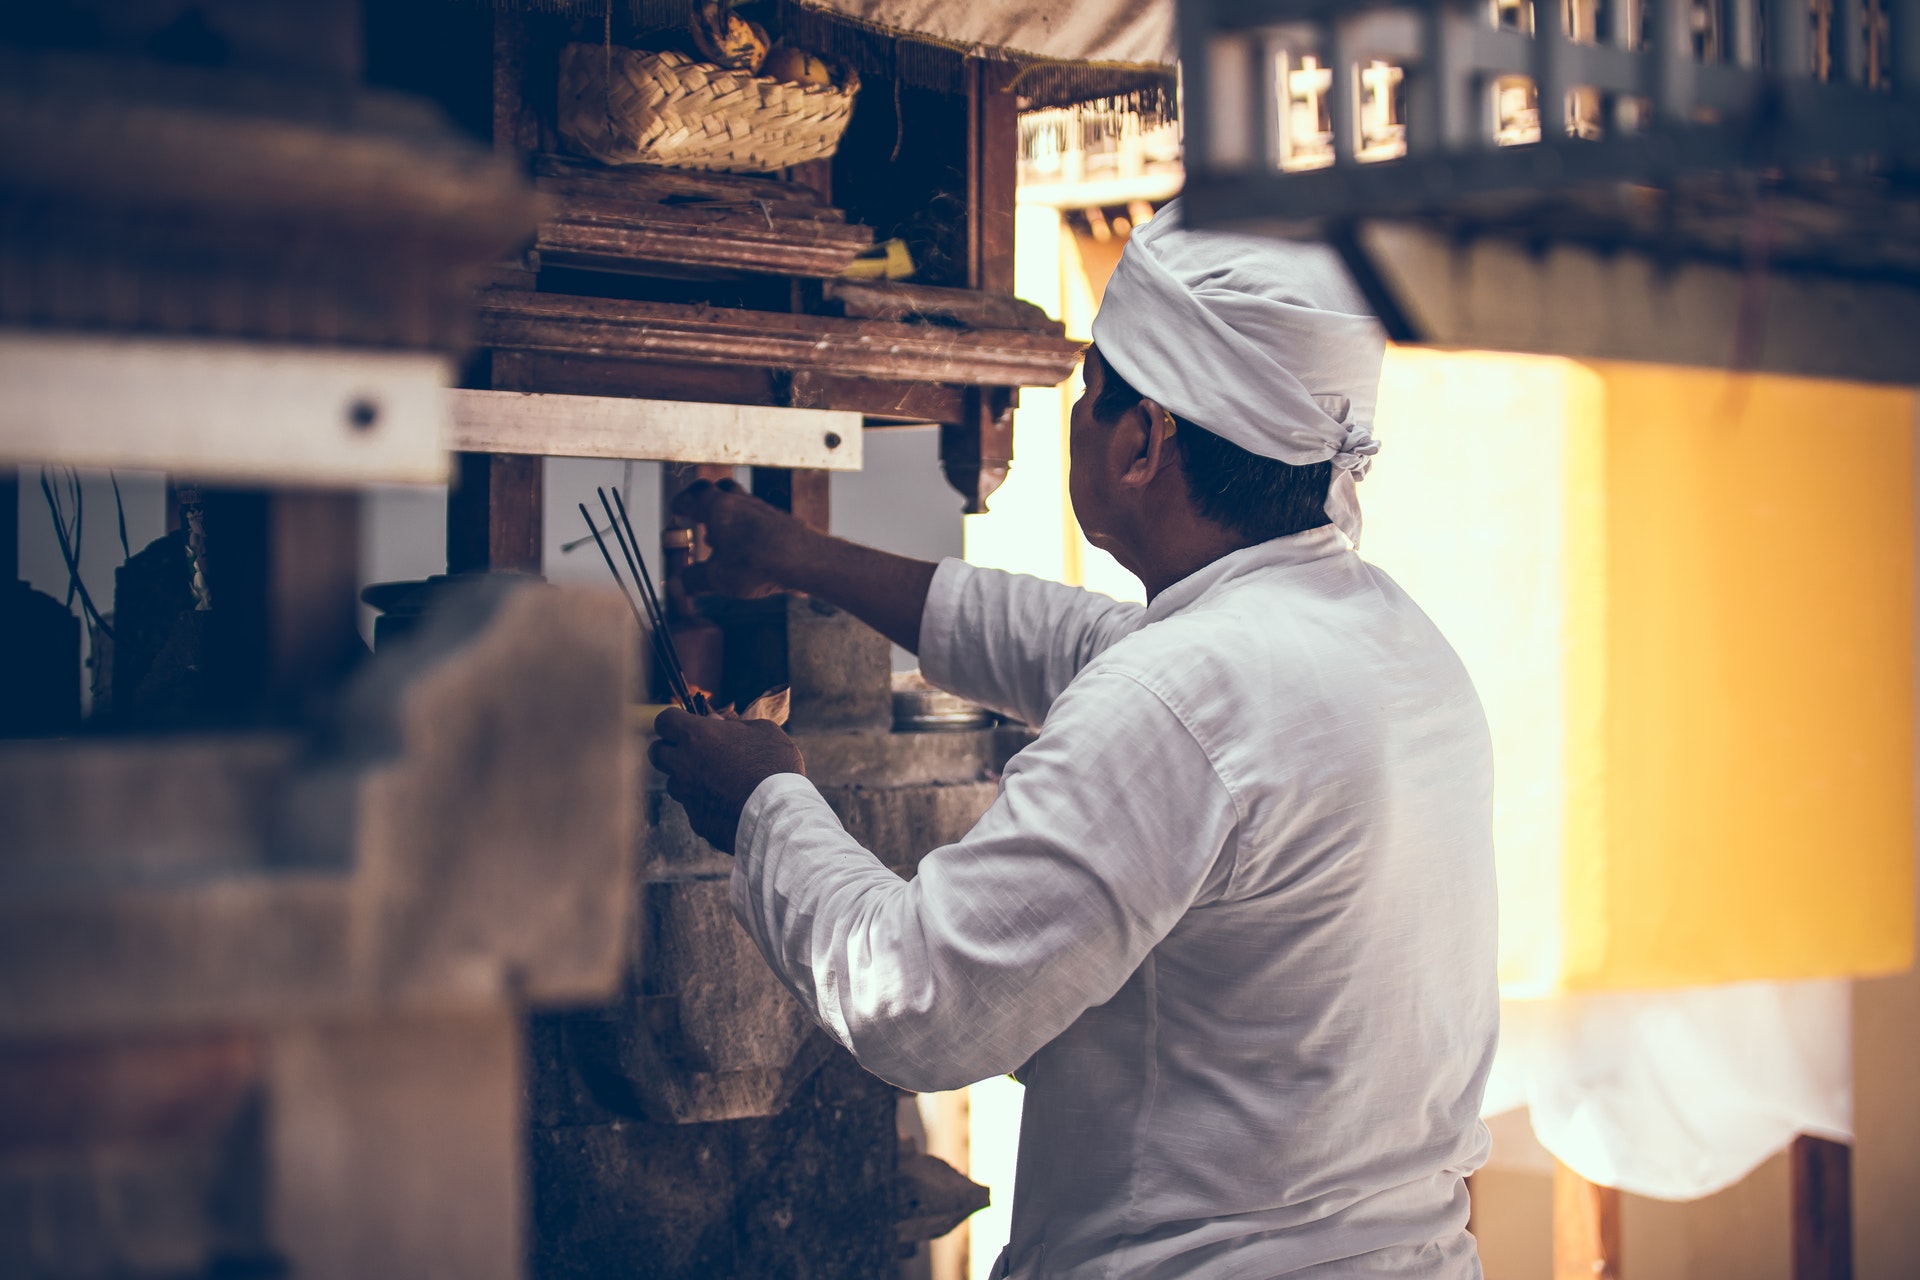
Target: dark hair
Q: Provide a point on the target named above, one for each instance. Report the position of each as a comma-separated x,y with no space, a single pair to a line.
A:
1255,497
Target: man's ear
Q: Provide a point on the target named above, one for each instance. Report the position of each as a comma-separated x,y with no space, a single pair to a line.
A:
1149,437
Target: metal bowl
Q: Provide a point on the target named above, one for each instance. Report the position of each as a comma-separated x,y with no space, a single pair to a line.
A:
918,707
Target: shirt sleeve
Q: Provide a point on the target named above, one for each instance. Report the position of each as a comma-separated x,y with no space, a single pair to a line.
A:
1012,642
1108,827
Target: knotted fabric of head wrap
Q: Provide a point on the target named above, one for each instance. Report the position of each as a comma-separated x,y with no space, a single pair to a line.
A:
1264,342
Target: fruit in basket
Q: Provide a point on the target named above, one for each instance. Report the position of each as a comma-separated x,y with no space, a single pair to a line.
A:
727,39
797,66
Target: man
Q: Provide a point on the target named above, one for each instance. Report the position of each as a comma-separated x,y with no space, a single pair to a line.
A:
1231,918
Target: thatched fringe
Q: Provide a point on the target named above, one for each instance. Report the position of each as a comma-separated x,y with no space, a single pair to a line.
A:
583,8
1146,92
921,61
655,15
1088,127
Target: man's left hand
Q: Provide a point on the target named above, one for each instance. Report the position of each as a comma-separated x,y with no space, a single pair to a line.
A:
712,767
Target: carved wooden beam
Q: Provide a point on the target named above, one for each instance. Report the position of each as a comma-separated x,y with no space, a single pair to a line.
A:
882,403
976,453
897,401
645,331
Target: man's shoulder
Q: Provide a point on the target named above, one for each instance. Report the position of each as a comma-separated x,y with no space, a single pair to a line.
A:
1280,649
1211,669
1245,627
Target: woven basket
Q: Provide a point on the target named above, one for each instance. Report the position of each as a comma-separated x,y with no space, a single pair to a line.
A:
667,109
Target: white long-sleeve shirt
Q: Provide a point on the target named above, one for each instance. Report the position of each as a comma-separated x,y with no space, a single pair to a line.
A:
1231,918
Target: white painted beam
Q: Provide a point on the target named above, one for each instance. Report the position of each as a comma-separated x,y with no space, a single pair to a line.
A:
654,430
286,415
223,410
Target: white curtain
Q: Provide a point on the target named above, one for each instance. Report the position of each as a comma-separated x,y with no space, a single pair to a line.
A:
1678,1094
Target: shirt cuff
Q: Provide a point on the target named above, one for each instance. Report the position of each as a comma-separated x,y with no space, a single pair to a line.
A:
938,621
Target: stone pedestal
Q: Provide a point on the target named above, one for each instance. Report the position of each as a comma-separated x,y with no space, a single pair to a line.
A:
702,1126
262,996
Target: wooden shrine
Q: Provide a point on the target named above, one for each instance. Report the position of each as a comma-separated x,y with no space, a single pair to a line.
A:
334,963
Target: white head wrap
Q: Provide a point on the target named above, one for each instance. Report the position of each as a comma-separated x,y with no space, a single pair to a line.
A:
1264,342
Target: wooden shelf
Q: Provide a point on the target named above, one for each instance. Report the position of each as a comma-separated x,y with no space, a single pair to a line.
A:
637,218
669,332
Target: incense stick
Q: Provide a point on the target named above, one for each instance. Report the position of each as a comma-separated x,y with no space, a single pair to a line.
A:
670,660
637,565
660,653
626,594
698,701
646,579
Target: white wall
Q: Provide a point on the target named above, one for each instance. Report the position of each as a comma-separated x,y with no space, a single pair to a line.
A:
899,502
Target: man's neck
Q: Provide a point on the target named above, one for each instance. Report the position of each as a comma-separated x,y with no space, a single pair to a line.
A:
1186,552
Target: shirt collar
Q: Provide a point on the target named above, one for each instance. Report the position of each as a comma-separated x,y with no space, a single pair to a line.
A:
1276,553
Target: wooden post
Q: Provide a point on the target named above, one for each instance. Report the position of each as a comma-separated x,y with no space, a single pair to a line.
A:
314,588
816,175
283,571
516,134
1822,1173
9,524
947,1140
804,494
1586,1228
494,513
495,507
976,453
993,165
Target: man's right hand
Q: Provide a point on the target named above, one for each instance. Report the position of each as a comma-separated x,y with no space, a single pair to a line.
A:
753,546
756,550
